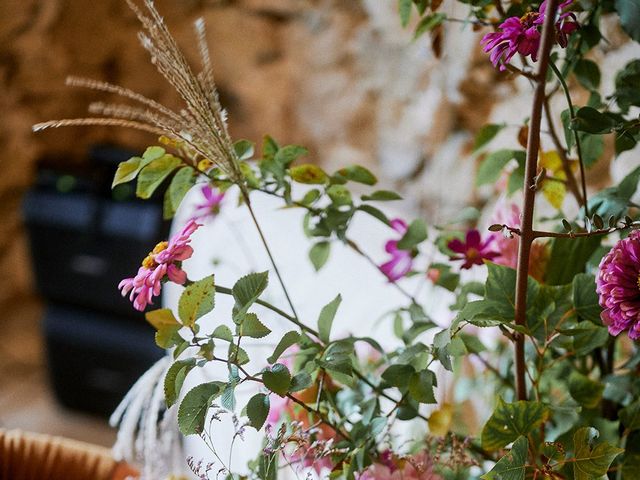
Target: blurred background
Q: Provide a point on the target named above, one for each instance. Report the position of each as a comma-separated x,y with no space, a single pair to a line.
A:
340,77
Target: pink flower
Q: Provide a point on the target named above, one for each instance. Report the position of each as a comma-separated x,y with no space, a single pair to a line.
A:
618,286
401,260
522,35
391,467
160,262
211,204
473,250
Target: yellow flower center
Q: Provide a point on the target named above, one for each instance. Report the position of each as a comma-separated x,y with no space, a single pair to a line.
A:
150,260
472,253
528,18
638,282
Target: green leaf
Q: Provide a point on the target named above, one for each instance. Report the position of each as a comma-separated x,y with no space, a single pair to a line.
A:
319,254
569,257
381,196
223,333
269,148
339,195
197,300
286,155
288,339
308,174
277,379
398,375
174,379
258,410
166,326
587,73
513,465
252,327
181,183
585,298
246,291
128,170
193,409
428,23
586,337
300,381
486,134
585,391
630,416
151,176
629,11
359,174
511,420
244,149
590,120
627,80
325,320
592,148
591,462
421,386
492,166
630,466
237,354
375,212
415,234
404,8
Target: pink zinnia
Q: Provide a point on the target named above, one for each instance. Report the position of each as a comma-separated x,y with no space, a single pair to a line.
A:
618,286
473,250
211,204
391,467
522,35
160,262
401,260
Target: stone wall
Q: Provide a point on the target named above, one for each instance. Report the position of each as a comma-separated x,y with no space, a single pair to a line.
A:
341,77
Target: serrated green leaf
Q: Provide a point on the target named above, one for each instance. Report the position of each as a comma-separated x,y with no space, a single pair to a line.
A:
325,320
319,254
252,327
591,462
285,155
398,375
128,170
590,120
166,326
308,174
193,409
246,291
277,379
513,465
174,379
300,381
587,73
151,176
585,298
288,339
197,300
511,420
181,183
258,410
237,354
223,333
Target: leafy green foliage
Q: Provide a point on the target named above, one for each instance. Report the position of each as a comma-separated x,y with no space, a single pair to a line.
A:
152,175
630,416
252,327
513,465
309,174
277,379
174,379
585,391
197,300
629,11
288,339
492,166
130,169
166,326
591,461
585,298
319,254
182,181
193,409
246,291
258,410
511,420
486,134
416,233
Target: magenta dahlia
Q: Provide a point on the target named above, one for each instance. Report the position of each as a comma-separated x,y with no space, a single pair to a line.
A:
161,262
522,34
618,286
474,250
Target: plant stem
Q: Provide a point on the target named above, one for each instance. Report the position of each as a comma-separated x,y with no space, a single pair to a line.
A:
245,195
565,89
531,165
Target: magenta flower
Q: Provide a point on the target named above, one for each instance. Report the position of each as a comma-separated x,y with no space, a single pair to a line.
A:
401,260
473,250
211,204
618,286
161,262
391,467
522,35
